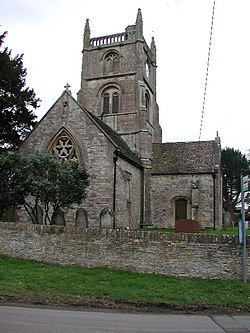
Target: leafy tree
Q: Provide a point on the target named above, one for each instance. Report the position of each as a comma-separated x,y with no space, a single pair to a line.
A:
11,181
17,102
41,172
234,164
54,183
43,180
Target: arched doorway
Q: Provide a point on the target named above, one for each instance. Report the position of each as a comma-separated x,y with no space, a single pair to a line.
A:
181,209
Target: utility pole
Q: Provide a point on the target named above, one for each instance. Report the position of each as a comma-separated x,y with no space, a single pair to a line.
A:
244,188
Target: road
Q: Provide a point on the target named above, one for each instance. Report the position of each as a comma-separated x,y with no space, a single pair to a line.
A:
39,320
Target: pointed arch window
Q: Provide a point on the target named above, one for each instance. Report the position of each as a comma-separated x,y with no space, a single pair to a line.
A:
110,101
106,98
64,148
115,102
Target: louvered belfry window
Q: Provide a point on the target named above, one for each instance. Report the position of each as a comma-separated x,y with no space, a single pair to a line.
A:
106,103
110,101
115,103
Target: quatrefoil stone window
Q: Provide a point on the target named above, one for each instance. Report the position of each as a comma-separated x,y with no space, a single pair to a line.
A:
112,57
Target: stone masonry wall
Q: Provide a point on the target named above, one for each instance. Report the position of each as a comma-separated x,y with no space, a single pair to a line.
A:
171,187
183,255
95,153
128,195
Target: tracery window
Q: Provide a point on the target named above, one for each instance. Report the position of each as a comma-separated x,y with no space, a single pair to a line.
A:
111,100
111,62
64,148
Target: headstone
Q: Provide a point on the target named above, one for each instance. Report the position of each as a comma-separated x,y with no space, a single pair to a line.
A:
227,219
8,214
81,218
106,219
37,214
58,217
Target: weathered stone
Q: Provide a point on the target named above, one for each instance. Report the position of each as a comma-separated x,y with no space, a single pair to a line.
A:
227,219
81,218
106,219
187,255
58,218
113,130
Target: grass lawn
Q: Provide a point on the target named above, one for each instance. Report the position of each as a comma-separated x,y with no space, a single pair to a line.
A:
228,231
32,281
231,231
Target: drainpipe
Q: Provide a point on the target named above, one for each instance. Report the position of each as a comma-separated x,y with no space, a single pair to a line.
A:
214,197
142,198
114,184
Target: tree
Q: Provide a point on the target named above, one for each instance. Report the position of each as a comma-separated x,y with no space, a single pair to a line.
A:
11,181
17,102
41,172
42,180
234,164
53,183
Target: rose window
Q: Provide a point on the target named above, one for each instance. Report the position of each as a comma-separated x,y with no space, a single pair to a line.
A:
64,148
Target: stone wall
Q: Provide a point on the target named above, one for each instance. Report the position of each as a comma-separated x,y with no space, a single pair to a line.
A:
172,187
127,195
96,153
183,255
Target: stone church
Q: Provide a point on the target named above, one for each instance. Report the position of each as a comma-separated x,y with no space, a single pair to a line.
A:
113,130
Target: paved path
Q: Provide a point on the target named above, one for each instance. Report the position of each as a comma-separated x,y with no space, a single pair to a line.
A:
30,320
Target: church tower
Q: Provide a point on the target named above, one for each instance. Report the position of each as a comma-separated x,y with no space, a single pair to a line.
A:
118,85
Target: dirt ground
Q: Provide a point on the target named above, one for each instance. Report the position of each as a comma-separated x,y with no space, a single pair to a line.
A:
127,307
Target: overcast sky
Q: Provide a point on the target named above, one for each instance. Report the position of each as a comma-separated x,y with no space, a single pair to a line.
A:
49,33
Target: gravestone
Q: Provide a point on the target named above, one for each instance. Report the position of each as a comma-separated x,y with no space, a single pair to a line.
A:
81,218
227,219
37,214
106,219
58,217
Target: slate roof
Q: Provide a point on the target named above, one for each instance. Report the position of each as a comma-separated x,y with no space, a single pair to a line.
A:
183,157
167,158
119,143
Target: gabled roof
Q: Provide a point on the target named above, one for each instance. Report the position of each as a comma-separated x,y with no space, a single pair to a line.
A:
123,149
183,157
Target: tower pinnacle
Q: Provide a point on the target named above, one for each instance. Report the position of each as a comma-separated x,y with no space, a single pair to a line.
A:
86,39
153,49
139,25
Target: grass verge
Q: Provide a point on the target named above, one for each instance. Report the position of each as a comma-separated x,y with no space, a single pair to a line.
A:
36,282
230,231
